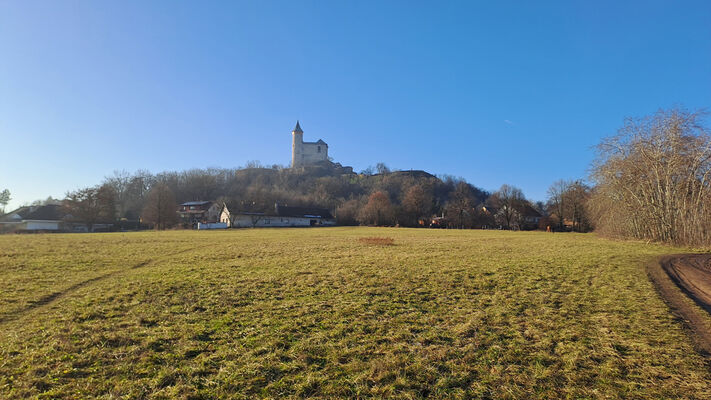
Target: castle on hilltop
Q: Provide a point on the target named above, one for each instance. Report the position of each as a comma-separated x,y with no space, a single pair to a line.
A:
304,153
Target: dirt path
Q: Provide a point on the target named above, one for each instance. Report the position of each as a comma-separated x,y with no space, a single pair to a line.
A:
692,274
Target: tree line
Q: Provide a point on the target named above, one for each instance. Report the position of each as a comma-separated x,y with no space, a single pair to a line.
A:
650,181
376,196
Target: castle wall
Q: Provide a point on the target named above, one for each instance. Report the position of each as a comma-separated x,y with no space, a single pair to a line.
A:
307,152
314,152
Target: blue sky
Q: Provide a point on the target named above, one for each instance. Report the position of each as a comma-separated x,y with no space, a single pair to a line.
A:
495,92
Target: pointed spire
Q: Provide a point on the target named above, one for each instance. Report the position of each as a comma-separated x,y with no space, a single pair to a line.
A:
297,129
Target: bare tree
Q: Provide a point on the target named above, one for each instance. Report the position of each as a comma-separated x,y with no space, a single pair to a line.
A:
4,200
416,204
508,201
556,205
347,213
378,210
574,200
253,164
653,180
381,168
567,202
460,207
161,209
132,194
368,171
120,181
255,218
92,205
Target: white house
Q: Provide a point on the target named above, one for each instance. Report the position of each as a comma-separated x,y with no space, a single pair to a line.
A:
283,216
194,212
46,218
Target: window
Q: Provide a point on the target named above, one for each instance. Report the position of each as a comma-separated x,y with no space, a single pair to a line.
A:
318,149
266,221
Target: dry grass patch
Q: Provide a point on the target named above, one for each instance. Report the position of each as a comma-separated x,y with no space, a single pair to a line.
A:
380,241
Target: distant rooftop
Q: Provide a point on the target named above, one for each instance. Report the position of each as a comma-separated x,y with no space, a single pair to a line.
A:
303,212
196,203
49,212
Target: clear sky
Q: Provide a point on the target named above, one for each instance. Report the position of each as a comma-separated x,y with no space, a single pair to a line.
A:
492,91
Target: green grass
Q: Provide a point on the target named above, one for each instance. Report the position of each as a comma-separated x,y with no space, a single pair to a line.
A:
319,313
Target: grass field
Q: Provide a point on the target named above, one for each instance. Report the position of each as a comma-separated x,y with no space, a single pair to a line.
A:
322,313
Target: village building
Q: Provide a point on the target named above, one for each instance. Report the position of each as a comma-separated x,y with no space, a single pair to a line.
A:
282,216
193,212
305,153
531,218
46,218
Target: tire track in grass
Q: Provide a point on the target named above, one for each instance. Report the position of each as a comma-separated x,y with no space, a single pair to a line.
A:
692,274
52,297
665,278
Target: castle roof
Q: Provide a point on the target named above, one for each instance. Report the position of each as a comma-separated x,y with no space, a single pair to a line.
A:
297,129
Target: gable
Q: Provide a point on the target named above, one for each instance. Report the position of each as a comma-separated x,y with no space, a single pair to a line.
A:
12,217
15,215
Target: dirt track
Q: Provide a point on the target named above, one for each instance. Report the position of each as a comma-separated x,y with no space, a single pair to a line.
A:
692,274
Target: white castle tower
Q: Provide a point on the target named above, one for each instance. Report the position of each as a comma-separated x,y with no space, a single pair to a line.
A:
303,153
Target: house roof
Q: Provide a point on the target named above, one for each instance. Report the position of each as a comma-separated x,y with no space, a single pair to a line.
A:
297,128
49,212
196,203
15,215
303,212
321,142
529,211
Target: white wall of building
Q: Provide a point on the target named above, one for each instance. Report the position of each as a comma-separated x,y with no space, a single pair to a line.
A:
225,215
41,226
264,221
212,225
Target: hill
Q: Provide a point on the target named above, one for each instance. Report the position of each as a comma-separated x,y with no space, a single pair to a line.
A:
325,184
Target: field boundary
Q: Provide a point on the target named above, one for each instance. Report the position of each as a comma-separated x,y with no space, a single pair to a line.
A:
681,302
